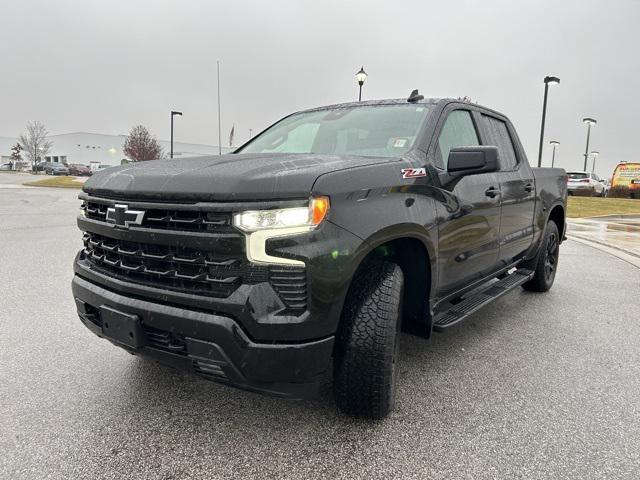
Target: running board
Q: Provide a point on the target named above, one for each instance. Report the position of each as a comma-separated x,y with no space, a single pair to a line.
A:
458,312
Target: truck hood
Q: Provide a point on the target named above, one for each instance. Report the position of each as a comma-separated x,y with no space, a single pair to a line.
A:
221,178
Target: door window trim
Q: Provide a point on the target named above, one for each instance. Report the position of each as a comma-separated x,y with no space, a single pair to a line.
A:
515,145
436,154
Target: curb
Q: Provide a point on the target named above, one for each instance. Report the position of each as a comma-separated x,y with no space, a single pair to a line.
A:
609,215
623,254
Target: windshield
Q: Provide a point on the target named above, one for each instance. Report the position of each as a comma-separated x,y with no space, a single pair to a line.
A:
370,130
577,175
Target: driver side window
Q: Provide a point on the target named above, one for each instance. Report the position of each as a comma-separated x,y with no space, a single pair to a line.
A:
458,131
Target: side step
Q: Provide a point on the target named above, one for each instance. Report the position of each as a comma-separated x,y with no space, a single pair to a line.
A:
470,304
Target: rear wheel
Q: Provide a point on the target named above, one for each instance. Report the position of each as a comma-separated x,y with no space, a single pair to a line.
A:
546,263
368,341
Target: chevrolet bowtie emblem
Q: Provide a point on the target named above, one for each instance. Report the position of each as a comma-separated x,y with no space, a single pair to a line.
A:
123,217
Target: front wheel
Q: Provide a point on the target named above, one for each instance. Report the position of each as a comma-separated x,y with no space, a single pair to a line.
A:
546,262
368,341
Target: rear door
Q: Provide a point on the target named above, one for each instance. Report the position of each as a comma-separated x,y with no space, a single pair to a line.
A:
516,185
469,211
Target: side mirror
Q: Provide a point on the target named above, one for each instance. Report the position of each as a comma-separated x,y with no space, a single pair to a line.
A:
472,160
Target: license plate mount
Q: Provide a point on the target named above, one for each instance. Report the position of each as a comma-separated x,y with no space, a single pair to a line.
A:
122,328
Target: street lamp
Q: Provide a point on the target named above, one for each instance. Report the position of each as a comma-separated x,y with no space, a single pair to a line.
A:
594,154
588,122
553,158
361,76
173,114
547,81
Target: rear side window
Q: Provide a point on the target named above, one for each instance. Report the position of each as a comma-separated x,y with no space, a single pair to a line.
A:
458,131
499,136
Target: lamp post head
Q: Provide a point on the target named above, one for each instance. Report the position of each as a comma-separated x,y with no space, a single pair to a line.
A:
589,121
555,143
594,153
551,80
361,76
176,113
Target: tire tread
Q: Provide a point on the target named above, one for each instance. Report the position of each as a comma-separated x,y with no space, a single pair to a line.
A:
366,341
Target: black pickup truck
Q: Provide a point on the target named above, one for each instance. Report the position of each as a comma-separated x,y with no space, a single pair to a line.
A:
295,262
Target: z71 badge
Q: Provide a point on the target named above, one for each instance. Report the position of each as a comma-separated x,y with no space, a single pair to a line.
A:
414,172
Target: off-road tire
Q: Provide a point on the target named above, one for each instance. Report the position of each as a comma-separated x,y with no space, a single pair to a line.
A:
546,262
367,342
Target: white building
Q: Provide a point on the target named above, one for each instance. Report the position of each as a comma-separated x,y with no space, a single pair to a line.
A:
100,149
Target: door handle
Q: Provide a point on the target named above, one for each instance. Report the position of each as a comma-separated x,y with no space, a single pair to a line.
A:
492,192
528,187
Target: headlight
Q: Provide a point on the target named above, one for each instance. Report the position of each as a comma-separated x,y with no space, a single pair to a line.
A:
310,216
262,225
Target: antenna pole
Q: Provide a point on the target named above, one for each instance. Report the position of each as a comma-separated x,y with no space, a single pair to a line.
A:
219,128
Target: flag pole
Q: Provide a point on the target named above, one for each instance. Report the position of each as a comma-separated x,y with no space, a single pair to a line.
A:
219,128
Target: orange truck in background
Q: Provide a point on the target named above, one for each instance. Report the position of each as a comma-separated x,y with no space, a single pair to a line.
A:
627,175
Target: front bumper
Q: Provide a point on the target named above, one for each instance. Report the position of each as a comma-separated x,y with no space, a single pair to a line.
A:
211,345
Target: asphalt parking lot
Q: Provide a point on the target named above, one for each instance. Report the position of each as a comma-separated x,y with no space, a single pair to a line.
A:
533,386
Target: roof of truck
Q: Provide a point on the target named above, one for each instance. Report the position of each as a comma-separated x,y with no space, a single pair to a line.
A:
394,101
391,101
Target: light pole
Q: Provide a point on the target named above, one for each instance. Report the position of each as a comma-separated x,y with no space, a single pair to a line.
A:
361,76
547,81
553,158
588,122
594,154
173,114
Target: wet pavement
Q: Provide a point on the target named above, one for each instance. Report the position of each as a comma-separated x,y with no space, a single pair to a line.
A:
531,386
619,232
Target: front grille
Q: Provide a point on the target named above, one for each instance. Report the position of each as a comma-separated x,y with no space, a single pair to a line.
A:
172,267
169,219
205,255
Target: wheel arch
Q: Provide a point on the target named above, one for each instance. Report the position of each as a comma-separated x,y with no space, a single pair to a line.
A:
558,215
414,251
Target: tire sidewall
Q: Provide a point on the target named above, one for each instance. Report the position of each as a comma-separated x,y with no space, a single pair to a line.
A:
552,229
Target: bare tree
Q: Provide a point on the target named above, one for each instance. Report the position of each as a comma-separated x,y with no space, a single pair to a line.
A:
140,145
35,142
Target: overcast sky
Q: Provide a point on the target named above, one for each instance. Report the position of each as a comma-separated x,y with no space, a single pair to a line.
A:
104,66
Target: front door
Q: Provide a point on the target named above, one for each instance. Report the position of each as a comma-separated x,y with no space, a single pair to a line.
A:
469,212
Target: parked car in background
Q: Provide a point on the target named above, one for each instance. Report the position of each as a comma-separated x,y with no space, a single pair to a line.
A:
79,170
627,174
56,169
585,183
5,167
41,166
607,186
